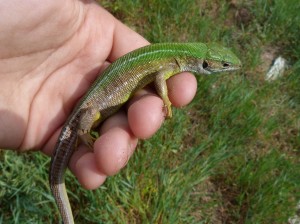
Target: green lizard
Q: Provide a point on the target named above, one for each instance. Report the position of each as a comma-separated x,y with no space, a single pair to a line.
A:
153,63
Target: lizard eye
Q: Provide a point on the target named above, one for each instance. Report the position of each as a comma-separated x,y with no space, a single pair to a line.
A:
226,65
204,64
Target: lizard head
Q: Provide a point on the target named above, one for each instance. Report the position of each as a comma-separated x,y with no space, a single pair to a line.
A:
220,59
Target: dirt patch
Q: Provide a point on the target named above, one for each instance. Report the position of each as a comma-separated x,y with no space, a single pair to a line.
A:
209,203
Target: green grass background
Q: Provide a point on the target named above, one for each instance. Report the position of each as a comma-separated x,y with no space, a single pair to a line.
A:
231,156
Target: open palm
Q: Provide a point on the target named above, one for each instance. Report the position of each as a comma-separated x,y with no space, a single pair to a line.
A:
50,53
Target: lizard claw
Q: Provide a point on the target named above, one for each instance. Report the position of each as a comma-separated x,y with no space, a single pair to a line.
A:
88,140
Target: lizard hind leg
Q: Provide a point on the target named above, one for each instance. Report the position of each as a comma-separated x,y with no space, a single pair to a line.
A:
89,119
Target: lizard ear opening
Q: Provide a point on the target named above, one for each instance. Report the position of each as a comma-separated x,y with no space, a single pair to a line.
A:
204,64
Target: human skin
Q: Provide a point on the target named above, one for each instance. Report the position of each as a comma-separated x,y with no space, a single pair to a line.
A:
49,57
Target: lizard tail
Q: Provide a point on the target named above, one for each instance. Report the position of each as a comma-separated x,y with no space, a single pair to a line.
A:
58,166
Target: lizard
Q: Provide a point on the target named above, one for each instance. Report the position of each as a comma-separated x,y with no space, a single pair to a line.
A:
114,87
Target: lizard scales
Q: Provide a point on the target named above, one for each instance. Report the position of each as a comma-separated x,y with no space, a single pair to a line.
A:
153,63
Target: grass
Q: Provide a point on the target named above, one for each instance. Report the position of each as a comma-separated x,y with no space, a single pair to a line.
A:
232,156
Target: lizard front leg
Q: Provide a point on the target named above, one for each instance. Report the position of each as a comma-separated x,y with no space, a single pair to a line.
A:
162,89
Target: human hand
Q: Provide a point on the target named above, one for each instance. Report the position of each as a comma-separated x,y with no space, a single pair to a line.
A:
49,57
